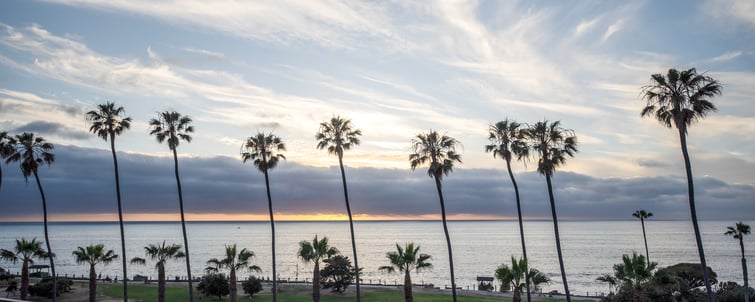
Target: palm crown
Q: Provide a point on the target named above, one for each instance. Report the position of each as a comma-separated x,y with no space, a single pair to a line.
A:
171,126
406,259
337,135
507,138
262,149
107,120
161,253
553,143
25,251
94,254
316,250
234,260
738,230
642,214
31,151
439,150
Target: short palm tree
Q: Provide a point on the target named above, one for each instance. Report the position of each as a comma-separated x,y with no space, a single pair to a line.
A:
338,135
508,140
553,145
635,271
32,152
173,127
738,231
677,100
313,252
440,152
6,149
234,260
642,215
608,278
107,122
264,152
25,251
160,253
405,260
93,255
518,275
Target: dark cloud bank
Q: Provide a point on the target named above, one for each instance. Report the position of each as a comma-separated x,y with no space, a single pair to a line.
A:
81,181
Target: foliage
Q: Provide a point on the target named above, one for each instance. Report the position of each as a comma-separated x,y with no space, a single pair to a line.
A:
690,274
313,252
337,274
44,287
439,150
214,285
514,277
252,285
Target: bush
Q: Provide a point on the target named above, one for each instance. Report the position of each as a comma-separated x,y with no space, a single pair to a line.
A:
338,273
251,286
214,285
44,287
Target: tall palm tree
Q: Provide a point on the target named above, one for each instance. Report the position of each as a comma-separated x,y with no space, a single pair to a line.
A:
518,275
553,145
93,255
234,260
25,251
440,151
642,215
33,151
339,135
507,140
174,127
160,253
6,149
635,271
405,260
263,150
313,252
738,231
107,122
677,100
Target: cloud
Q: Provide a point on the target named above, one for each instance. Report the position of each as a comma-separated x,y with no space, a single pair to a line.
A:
613,29
44,128
727,56
741,11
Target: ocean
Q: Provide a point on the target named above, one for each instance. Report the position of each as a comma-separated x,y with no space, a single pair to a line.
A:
590,248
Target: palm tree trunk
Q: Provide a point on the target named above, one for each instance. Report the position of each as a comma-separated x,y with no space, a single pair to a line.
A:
183,227
316,282
351,226
47,239
92,284
644,237
558,239
161,284
272,230
232,286
408,297
448,239
120,217
744,269
693,213
521,227
25,279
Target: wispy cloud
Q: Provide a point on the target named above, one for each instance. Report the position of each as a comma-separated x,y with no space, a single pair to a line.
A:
613,29
727,56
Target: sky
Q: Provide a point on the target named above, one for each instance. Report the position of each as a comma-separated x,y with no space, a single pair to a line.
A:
396,69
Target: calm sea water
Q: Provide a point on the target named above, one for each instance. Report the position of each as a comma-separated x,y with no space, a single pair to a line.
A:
590,248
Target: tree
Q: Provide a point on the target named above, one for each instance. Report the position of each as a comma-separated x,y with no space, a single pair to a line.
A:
405,260
507,140
93,255
610,279
234,260
252,285
738,231
264,152
635,272
337,274
174,127
214,284
161,254
339,135
6,149
107,122
25,251
33,151
642,215
518,275
440,151
313,252
553,145
678,100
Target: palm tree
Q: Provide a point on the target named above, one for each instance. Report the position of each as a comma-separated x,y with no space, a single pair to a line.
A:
93,255
608,278
160,253
263,150
738,231
677,100
314,252
173,127
635,271
107,122
405,260
507,138
234,260
25,251
33,151
339,135
440,151
518,275
553,145
642,215
6,149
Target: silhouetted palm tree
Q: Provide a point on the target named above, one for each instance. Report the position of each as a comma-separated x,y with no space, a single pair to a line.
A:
25,251
107,122
553,145
405,260
263,150
738,231
635,271
160,253
642,215
314,252
507,140
677,100
33,151
6,149
440,151
338,135
234,260
173,127
93,255
518,275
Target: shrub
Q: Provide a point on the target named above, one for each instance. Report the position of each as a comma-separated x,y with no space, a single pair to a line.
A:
251,286
337,274
214,285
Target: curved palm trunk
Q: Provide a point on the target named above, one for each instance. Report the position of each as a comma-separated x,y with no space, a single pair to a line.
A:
272,229
316,282
25,280
351,226
448,239
161,284
183,228
408,296
47,239
647,254
120,217
92,284
232,286
521,226
744,269
558,239
693,213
